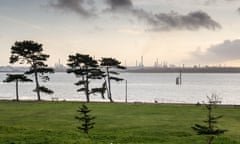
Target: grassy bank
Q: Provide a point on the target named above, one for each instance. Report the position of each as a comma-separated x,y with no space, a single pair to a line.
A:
51,122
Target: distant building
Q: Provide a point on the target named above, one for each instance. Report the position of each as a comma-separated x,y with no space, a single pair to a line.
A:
172,66
58,67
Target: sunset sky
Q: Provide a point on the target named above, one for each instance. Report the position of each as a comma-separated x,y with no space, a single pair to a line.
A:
176,31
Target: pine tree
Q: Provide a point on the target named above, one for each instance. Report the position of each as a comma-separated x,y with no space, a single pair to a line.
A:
109,64
85,119
210,129
17,78
85,68
31,53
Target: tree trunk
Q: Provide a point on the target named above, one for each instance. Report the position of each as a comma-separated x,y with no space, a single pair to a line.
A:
210,139
109,86
37,84
210,117
17,97
87,88
106,86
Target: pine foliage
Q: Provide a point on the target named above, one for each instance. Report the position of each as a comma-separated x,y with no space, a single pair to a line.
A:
30,52
16,78
85,68
85,119
44,90
109,64
210,128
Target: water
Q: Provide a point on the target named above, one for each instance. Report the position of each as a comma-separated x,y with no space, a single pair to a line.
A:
142,87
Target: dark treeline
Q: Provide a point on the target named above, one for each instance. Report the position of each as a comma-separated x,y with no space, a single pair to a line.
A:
85,68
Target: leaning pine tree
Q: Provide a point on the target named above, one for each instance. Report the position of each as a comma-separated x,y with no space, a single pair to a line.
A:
31,53
17,78
85,68
110,65
85,119
210,129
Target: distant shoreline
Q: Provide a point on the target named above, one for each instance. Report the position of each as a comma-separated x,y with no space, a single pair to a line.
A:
184,70
149,70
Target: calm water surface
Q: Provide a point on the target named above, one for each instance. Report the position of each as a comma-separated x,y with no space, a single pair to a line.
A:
146,87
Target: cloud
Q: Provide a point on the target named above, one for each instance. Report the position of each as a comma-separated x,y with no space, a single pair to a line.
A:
231,0
168,21
226,51
155,22
210,2
165,21
84,8
238,10
116,5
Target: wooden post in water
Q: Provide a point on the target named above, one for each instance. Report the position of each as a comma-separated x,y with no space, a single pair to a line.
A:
180,78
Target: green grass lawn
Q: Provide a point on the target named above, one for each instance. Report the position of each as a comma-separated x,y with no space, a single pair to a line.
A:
54,123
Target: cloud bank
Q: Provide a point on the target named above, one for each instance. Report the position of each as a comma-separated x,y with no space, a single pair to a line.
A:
226,51
169,21
157,22
82,7
210,2
238,10
116,5
166,21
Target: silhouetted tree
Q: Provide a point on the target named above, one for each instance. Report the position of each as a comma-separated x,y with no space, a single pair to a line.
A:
85,119
109,64
17,78
210,129
31,53
85,67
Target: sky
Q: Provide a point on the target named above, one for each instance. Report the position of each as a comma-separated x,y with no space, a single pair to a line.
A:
190,32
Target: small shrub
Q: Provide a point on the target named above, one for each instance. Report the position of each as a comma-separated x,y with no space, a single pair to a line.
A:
210,129
85,119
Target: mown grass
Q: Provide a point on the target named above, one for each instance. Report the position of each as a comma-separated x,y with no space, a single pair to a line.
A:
54,123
